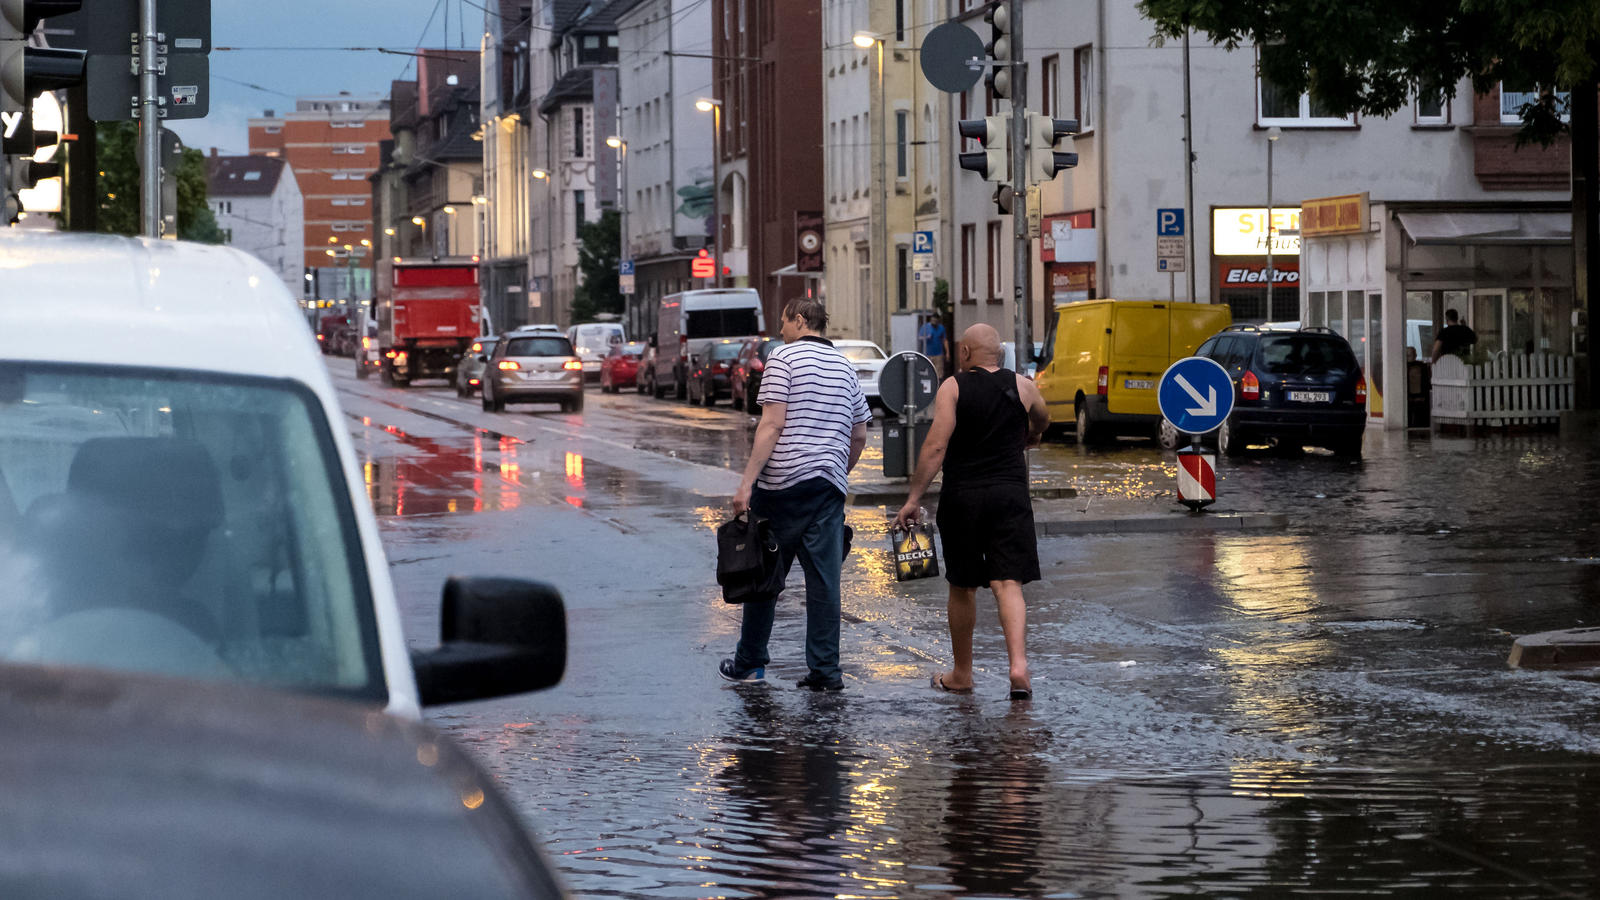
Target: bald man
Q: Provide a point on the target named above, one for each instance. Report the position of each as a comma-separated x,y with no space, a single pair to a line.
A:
984,418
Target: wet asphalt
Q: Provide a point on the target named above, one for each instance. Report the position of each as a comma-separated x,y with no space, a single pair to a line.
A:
1321,708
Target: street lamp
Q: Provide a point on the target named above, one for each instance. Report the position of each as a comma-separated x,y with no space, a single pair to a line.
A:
866,41
1273,134
422,223
621,146
707,104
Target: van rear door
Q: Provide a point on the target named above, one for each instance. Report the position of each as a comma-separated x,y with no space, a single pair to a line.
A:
1139,354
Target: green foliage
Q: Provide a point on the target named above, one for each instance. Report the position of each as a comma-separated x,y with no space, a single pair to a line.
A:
1372,56
598,255
941,297
118,186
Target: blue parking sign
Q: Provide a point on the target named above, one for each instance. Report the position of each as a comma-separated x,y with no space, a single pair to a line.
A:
625,267
1169,222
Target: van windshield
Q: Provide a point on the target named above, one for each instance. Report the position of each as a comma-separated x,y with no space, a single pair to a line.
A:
710,323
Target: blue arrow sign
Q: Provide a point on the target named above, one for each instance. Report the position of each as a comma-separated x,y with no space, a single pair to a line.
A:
1195,395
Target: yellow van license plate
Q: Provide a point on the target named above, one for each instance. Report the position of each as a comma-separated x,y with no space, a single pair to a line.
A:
1138,384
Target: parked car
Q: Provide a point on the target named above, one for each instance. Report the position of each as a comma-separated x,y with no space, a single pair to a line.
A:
125,785
533,368
868,358
686,320
620,368
710,367
1103,359
469,372
744,383
1292,388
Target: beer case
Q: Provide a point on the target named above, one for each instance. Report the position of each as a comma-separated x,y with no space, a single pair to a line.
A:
915,555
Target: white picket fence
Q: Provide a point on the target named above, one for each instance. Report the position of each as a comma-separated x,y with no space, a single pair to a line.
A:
1509,389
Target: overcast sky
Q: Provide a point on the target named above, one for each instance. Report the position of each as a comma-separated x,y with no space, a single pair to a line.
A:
287,73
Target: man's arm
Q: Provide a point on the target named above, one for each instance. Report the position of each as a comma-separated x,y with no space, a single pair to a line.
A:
1038,412
858,442
932,457
767,433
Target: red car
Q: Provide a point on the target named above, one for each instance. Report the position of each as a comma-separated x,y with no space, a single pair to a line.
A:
620,368
745,381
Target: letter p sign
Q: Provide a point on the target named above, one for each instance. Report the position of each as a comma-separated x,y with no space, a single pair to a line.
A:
1169,222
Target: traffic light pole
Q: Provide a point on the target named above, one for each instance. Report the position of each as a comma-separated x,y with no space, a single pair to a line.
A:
149,123
1021,287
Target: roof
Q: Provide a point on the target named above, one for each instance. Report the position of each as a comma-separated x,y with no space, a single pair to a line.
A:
243,176
605,19
146,302
577,84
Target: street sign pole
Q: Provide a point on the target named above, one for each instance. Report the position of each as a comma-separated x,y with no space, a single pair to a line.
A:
149,123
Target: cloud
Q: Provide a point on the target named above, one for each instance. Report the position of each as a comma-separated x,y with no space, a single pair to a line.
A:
226,128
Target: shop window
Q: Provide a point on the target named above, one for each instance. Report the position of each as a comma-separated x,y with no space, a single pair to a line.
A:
1316,310
1276,105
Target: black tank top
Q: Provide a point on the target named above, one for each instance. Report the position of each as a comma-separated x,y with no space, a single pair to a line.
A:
991,435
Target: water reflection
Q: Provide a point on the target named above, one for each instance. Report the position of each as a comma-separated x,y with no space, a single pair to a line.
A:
994,822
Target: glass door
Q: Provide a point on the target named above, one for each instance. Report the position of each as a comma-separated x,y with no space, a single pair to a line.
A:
1488,318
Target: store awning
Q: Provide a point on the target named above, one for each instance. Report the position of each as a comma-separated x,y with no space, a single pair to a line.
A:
791,271
1525,228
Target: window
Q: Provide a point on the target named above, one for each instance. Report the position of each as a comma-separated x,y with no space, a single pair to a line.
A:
578,143
340,176
274,129
1432,108
902,259
1512,101
969,258
1050,84
902,162
341,201
338,150
1083,86
1276,106
253,176
996,248
900,21
580,212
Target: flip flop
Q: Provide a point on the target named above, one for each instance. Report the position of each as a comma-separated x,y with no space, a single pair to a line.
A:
938,684
1020,694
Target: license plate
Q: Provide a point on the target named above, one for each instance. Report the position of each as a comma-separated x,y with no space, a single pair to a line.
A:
1310,396
1138,384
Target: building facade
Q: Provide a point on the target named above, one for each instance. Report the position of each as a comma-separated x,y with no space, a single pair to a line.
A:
767,76
506,114
259,209
331,142
431,199
667,168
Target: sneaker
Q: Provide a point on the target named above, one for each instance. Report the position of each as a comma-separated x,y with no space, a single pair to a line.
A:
729,670
815,683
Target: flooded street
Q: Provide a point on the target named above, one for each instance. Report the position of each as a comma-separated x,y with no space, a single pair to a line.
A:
1318,708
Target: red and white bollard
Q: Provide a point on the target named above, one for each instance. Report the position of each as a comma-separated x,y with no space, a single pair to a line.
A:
1197,477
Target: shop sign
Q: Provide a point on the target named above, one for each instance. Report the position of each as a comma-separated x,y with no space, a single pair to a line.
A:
1242,231
1069,238
1335,215
1255,275
1071,281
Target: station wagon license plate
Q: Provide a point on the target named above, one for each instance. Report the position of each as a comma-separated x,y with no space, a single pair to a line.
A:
1311,396
1138,384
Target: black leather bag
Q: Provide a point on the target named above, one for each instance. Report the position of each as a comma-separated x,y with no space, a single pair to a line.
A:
749,566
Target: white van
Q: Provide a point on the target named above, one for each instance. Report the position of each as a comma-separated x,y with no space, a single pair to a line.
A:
691,317
592,341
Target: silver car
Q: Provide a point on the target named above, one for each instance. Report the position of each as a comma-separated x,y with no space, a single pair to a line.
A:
533,368
469,371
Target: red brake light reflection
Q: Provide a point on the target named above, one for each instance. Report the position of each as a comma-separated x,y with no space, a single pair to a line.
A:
570,365
1361,389
508,365
1102,380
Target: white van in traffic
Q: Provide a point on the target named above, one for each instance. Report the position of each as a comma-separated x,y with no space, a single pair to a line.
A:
592,341
691,317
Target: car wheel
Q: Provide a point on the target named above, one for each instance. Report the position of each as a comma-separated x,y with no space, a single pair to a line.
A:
577,404
1168,436
361,370
1228,442
1087,432
488,405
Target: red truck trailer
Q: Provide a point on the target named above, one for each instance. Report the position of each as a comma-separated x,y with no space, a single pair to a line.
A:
427,313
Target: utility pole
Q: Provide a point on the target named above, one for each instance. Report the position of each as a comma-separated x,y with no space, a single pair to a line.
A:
1188,170
149,123
1023,276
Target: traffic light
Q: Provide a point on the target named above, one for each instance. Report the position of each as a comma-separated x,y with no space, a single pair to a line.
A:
1044,161
994,162
26,72
999,48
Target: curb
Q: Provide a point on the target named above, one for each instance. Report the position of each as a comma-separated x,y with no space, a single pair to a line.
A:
1571,648
1211,522
897,496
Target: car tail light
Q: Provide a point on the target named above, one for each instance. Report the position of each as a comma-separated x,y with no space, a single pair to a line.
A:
570,365
320,336
1250,386
1102,381
366,343
720,367
508,365
472,381
477,347
1361,389
390,354
400,358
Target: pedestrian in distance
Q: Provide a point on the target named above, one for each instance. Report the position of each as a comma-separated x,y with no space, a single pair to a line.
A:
931,338
985,418
812,430
1453,338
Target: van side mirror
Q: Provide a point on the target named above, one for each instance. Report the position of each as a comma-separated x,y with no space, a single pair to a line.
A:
497,636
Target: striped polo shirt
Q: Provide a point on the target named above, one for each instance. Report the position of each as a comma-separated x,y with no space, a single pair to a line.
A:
825,403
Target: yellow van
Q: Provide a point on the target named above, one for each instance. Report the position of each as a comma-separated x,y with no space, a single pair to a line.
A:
1102,359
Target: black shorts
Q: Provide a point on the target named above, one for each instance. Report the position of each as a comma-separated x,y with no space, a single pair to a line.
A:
987,534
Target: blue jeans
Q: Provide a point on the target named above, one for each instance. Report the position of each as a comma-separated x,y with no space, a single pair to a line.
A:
808,521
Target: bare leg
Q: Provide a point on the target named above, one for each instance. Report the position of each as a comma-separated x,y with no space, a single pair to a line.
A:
1013,622
963,615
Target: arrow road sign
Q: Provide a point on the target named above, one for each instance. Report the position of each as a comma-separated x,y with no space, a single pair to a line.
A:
1195,395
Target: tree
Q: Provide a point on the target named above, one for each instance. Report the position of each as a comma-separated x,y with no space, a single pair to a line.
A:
118,186
598,254
1373,56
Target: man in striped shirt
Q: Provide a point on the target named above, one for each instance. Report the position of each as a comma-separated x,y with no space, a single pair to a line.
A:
813,428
